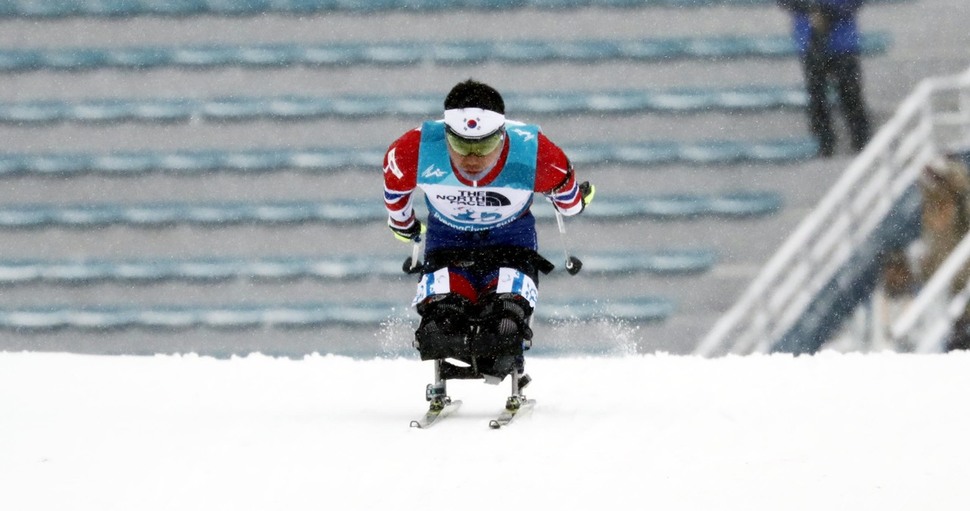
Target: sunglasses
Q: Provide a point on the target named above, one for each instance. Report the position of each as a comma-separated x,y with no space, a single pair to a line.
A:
479,147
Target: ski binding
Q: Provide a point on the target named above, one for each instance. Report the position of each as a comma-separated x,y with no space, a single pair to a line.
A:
440,408
514,406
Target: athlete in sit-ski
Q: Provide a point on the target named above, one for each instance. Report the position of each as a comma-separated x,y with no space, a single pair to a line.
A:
478,172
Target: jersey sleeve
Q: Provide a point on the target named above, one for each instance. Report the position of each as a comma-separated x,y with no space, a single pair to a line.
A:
401,178
556,179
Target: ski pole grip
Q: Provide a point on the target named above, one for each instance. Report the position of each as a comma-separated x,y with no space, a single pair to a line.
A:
412,265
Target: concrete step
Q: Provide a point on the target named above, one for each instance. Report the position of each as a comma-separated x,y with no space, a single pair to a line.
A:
289,315
739,204
265,136
326,159
174,83
214,270
364,187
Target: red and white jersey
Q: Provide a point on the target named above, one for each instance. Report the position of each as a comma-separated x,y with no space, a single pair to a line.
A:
554,177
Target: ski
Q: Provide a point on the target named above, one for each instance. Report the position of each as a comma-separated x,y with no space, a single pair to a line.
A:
513,408
436,413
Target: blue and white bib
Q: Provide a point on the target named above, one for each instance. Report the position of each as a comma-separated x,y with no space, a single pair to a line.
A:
479,208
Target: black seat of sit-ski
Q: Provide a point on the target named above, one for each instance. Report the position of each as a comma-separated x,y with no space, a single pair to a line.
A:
466,347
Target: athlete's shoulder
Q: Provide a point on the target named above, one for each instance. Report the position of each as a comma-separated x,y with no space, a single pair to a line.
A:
401,160
550,153
553,168
411,138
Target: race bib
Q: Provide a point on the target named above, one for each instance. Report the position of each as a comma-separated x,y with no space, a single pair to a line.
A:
515,282
436,283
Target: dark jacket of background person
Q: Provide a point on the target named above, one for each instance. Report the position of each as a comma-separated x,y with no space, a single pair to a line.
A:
843,34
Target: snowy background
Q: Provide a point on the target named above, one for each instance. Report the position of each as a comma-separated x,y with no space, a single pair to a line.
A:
831,431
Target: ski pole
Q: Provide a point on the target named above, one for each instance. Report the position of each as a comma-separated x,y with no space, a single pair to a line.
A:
412,264
573,264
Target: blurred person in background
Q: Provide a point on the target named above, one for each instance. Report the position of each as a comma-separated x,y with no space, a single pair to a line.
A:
827,38
944,222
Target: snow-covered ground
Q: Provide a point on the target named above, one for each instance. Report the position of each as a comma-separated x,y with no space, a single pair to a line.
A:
857,432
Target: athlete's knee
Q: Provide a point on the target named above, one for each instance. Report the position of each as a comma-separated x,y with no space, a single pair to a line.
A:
444,314
507,314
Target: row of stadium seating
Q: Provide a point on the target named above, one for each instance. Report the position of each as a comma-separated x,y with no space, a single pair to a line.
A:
337,159
123,8
76,272
409,53
304,315
615,208
163,110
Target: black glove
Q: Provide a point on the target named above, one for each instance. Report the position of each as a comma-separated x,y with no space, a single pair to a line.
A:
409,234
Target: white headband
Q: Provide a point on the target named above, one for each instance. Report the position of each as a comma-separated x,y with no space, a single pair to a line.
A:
473,123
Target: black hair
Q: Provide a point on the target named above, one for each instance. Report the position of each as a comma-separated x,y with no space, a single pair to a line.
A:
473,94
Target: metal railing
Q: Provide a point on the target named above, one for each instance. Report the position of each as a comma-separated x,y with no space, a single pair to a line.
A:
932,120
